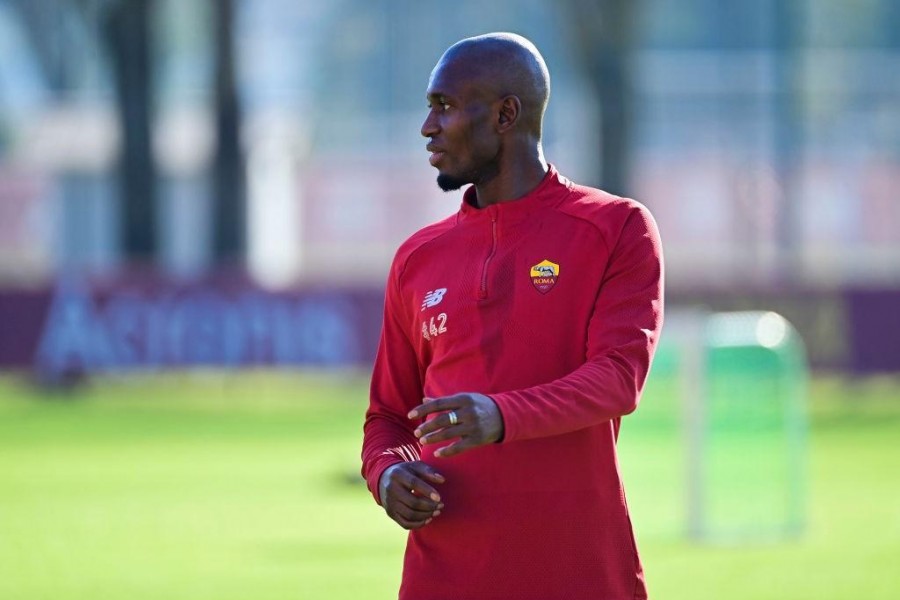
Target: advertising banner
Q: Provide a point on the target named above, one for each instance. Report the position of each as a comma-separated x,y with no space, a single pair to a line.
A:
141,323
149,322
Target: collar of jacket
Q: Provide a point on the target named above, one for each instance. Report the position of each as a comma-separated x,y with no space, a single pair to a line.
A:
550,189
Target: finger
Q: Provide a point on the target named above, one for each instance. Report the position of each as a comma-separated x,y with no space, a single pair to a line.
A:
416,501
423,489
399,497
431,475
414,516
442,435
439,422
433,405
409,518
456,448
428,472
411,481
417,505
407,524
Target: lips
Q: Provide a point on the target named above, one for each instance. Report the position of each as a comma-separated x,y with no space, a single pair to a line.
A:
436,154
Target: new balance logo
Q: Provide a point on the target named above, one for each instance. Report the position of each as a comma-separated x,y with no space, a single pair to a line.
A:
433,298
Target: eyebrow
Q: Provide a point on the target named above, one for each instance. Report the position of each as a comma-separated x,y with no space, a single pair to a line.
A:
436,96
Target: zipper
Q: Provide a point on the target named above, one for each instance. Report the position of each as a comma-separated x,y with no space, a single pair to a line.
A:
483,292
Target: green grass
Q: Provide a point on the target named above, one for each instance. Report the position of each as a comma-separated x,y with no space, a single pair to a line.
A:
244,486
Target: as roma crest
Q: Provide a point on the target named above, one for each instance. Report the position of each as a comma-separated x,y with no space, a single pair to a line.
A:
544,276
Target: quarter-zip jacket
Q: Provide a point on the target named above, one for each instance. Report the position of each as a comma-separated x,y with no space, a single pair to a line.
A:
551,304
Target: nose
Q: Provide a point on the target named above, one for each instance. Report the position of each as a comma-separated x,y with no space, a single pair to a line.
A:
430,126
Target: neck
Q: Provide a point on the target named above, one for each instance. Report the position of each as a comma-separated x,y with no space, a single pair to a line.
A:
518,177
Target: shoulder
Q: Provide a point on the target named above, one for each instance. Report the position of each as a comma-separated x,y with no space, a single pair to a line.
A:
419,241
611,215
599,207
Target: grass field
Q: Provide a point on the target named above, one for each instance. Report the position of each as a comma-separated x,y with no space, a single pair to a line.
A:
240,486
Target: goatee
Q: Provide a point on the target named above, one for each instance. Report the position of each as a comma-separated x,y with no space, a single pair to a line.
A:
449,183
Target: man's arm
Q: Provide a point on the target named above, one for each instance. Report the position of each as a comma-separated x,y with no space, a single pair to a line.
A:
398,480
622,336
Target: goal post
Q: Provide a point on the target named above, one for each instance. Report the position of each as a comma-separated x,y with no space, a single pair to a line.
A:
742,380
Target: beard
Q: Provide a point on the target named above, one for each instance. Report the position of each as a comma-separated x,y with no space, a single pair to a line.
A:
480,175
449,183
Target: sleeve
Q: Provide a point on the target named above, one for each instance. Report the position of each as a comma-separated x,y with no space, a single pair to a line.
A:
395,389
622,335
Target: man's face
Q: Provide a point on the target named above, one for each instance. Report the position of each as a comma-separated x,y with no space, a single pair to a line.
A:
464,144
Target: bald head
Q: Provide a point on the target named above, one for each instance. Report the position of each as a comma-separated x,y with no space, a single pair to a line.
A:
504,64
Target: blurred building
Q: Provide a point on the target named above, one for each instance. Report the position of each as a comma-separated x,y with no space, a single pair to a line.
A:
766,135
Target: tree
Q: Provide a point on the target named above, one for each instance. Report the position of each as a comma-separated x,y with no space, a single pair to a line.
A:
126,24
229,176
126,32
604,39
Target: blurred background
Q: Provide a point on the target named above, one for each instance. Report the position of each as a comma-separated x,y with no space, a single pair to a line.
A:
279,141
199,201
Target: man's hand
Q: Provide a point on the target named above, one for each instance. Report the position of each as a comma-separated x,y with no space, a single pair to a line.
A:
407,495
472,418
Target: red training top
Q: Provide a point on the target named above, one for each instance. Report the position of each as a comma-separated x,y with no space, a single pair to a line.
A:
552,305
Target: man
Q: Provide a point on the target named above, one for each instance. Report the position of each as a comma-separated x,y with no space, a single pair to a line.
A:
517,333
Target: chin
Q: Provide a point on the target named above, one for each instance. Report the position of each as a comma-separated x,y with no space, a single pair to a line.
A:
449,183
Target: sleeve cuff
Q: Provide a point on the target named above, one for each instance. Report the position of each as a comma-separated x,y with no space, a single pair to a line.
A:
503,401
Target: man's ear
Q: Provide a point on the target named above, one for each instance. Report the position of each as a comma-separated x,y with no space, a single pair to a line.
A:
510,110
